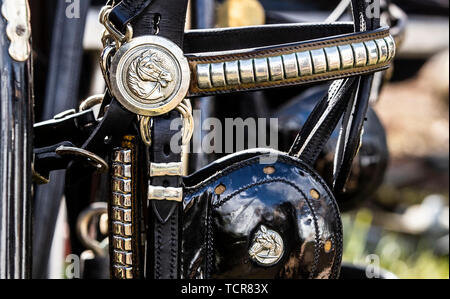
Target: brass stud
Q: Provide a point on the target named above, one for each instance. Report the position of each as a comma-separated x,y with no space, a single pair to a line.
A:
220,189
328,246
314,194
269,170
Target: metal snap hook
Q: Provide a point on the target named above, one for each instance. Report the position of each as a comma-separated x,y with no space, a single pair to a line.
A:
84,219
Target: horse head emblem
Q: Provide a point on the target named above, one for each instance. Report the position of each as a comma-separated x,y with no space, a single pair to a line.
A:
267,247
147,77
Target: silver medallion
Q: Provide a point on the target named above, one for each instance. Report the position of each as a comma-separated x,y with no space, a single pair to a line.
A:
267,247
150,75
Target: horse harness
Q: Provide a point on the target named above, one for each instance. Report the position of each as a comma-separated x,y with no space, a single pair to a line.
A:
259,213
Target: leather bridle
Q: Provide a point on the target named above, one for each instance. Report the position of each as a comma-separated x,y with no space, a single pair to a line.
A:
220,61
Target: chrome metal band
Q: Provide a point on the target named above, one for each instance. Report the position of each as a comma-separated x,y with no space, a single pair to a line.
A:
166,169
330,61
122,214
161,193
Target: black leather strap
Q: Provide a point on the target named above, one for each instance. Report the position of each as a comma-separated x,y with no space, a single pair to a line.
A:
126,11
350,137
164,233
75,128
46,159
111,129
167,18
322,121
234,39
320,125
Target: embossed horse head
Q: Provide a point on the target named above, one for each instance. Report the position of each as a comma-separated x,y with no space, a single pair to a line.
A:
147,76
265,245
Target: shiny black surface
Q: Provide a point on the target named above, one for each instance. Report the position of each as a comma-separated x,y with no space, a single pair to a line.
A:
370,164
16,115
218,229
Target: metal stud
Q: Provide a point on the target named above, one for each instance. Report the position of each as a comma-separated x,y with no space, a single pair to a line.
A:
204,76
122,229
121,170
319,61
123,257
220,189
218,75
122,243
305,63
246,71
232,72
347,59
276,68
314,194
261,69
290,66
382,49
391,46
372,50
123,272
121,185
333,58
360,53
123,215
328,246
121,200
122,156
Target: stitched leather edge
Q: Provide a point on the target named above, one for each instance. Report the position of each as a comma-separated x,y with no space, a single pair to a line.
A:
283,157
317,242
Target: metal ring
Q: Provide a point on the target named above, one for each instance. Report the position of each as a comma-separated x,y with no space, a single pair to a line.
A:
91,102
95,209
92,158
185,108
117,35
145,128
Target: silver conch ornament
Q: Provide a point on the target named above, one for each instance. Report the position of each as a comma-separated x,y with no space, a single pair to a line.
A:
147,77
267,247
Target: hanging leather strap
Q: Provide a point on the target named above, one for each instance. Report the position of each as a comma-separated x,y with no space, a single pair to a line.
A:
323,120
351,132
167,18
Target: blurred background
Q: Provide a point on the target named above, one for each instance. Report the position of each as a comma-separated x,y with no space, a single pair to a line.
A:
406,224
403,226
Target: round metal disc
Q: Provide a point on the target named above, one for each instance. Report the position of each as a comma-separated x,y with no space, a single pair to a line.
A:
150,75
267,247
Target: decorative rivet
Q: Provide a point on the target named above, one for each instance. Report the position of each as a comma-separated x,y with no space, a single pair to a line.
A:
328,246
220,189
267,247
314,194
269,170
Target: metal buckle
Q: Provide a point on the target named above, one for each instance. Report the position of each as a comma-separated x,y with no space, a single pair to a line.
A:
99,164
91,102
